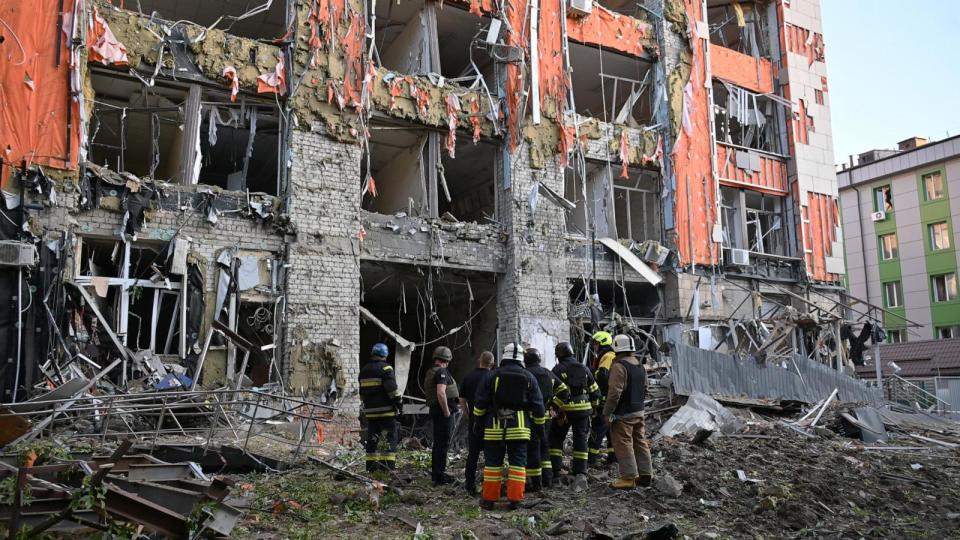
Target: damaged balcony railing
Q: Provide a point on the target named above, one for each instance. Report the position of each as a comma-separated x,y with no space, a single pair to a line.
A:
221,415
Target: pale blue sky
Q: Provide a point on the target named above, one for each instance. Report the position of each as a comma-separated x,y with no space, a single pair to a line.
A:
894,71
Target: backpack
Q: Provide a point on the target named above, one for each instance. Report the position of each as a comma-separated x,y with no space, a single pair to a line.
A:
577,378
511,390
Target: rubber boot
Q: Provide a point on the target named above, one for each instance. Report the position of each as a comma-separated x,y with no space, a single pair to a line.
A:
547,476
624,483
644,480
534,484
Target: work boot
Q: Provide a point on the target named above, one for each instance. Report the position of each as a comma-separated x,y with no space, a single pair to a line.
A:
579,483
486,505
644,480
513,505
624,483
547,478
471,489
534,484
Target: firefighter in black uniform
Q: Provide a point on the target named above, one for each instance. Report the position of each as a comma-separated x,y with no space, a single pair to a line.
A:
381,401
539,467
507,401
576,408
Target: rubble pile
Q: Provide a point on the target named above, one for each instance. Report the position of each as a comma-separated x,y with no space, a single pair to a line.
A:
772,477
126,494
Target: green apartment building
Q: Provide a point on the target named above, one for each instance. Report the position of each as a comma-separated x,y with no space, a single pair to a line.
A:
901,212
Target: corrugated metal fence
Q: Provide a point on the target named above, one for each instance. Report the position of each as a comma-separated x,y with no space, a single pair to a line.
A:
799,379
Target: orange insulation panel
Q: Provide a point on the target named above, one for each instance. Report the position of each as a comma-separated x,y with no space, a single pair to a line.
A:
820,218
771,178
609,30
34,90
741,69
696,188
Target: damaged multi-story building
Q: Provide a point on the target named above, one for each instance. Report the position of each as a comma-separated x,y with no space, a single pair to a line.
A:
308,177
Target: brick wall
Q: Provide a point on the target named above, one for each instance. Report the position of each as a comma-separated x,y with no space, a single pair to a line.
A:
323,292
532,296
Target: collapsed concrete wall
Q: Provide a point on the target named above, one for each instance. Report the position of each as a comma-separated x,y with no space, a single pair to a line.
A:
338,146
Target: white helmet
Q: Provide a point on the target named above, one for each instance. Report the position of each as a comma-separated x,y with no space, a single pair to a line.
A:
622,343
513,351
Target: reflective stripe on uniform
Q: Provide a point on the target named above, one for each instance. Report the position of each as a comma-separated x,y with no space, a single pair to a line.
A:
387,414
368,383
539,421
557,452
477,411
534,472
573,407
547,464
579,455
517,473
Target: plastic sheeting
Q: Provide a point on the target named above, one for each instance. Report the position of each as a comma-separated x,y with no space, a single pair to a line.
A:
700,412
34,89
724,376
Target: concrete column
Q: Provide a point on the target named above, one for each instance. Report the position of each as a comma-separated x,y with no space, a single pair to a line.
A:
323,292
532,297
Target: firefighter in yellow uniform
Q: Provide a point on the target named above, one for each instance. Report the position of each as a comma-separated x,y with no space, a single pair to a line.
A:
601,343
507,402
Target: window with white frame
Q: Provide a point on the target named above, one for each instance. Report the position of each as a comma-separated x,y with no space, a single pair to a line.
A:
893,294
896,336
939,236
882,199
888,247
765,231
948,332
933,186
134,291
944,287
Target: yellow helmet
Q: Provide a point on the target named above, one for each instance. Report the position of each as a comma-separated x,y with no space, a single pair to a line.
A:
603,338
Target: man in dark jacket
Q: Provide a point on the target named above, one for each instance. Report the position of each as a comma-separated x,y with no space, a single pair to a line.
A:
576,408
442,395
381,401
507,402
539,467
623,411
468,394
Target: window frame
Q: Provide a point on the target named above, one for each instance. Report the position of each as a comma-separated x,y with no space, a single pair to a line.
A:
953,329
899,332
883,249
947,234
943,185
933,287
877,206
898,293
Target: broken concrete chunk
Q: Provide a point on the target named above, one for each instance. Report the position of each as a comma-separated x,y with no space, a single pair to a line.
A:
669,486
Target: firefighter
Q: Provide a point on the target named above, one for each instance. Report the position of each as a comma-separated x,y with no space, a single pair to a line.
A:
623,412
443,397
603,357
507,401
539,467
576,407
381,402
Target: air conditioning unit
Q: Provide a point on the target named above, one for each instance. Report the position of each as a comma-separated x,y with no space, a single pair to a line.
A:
581,8
740,257
17,254
878,216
